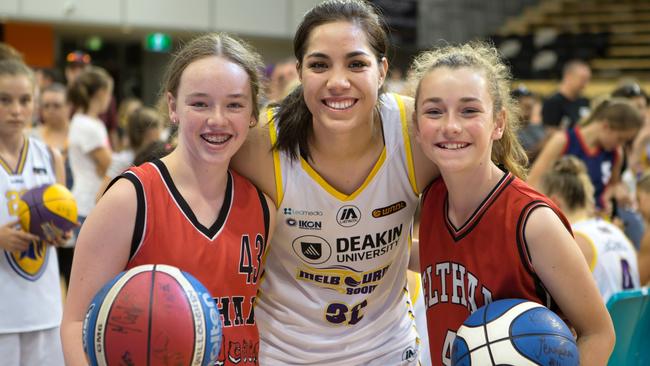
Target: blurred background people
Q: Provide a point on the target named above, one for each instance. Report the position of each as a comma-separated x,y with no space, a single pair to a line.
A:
127,106
89,149
531,134
610,255
567,106
144,127
76,63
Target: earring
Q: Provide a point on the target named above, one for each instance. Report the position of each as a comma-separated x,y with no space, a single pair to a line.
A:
175,121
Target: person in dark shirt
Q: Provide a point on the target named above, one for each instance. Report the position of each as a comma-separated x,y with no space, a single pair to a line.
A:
567,106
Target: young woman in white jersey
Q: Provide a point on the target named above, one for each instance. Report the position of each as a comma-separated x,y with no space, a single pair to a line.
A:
610,254
338,159
31,296
484,233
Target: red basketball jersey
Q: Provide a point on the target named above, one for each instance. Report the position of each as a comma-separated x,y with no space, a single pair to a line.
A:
226,257
483,260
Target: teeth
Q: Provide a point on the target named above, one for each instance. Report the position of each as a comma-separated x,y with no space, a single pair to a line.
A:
216,139
452,146
341,104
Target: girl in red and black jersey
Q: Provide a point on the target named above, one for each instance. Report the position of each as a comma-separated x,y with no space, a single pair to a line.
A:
187,209
484,233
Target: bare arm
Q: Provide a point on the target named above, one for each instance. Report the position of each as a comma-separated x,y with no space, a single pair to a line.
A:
101,252
254,160
102,158
561,267
550,153
59,168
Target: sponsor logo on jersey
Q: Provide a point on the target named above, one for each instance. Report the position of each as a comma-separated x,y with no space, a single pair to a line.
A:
39,170
312,249
348,216
305,224
31,263
359,248
290,211
388,210
345,281
409,354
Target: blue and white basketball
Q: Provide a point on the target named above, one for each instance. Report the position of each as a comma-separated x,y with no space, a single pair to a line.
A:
514,332
152,315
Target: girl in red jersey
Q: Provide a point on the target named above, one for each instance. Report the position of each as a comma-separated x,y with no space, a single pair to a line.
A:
484,233
187,209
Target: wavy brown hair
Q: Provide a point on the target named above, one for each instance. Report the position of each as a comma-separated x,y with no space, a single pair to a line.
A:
484,58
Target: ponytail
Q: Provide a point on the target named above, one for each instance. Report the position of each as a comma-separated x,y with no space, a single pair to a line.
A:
568,179
619,113
294,125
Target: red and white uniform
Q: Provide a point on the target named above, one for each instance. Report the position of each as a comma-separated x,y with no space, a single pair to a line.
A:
483,260
225,257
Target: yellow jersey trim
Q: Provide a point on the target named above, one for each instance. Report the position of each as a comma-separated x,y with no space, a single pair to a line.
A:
273,134
333,191
407,143
594,258
21,160
417,281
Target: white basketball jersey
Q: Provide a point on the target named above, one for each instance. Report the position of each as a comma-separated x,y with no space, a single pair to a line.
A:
334,290
614,265
30,290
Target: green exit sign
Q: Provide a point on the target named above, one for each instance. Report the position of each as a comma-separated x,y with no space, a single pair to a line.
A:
158,42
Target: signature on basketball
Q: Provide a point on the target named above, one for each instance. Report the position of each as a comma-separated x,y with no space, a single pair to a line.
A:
125,316
555,354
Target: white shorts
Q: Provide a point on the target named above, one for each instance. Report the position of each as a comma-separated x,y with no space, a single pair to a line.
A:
41,347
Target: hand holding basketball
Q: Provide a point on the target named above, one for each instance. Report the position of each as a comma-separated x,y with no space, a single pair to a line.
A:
48,211
152,315
14,239
514,332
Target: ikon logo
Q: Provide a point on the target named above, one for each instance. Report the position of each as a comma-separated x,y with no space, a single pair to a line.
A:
348,216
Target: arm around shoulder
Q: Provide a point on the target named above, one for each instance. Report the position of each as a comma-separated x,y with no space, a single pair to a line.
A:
101,252
254,160
559,263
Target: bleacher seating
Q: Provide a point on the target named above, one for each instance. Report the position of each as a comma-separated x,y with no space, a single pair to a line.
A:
614,36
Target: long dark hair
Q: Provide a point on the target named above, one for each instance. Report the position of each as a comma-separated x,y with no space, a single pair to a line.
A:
294,118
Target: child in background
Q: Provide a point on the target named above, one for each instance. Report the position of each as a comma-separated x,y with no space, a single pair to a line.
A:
89,149
124,111
143,128
598,142
30,309
484,233
610,254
